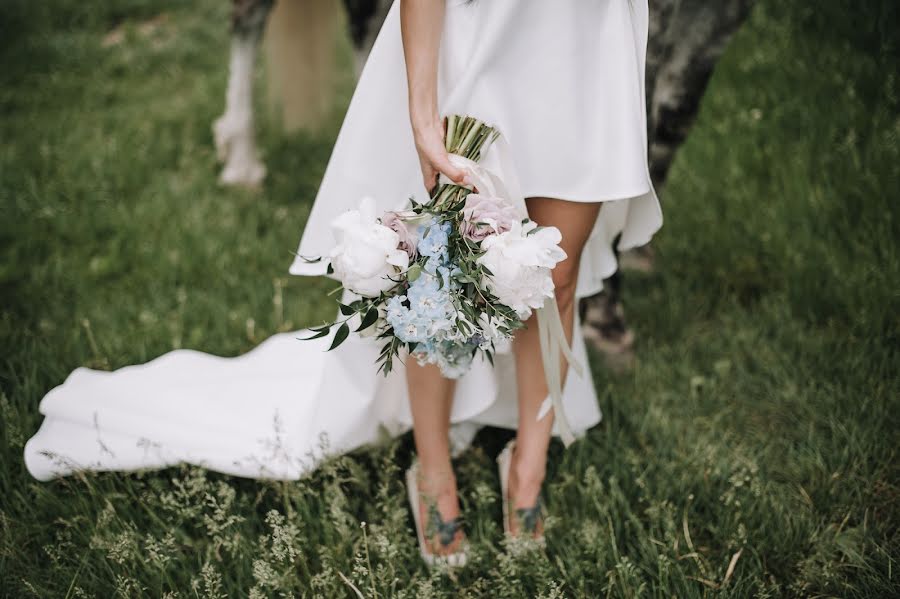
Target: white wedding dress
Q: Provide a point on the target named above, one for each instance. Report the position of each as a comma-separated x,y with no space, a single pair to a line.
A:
564,83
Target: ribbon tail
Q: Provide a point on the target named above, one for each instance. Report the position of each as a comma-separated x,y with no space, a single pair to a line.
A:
544,340
553,344
545,408
556,332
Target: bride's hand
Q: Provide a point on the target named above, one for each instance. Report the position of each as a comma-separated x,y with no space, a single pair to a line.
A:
433,157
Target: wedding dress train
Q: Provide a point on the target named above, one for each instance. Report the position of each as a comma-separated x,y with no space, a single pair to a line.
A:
563,82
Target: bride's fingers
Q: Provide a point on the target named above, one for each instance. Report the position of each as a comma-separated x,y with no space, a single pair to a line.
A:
457,175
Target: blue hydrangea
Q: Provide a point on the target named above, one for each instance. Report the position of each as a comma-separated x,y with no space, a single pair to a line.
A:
433,264
433,240
426,297
452,357
413,329
447,273
426,315
395,308
425,311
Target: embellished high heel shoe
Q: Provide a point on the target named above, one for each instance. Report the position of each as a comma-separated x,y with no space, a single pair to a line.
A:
527,518
445,530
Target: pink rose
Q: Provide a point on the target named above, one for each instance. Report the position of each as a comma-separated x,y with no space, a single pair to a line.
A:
396,221
486,215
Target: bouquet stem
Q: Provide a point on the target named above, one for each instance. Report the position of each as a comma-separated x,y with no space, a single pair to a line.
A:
467,137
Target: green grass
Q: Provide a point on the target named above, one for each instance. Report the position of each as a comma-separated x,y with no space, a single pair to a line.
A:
761,417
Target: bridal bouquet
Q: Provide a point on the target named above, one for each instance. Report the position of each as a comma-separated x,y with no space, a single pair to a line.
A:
448,278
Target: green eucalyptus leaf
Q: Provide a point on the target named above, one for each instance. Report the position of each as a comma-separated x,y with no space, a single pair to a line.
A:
339,337
369,319
318,334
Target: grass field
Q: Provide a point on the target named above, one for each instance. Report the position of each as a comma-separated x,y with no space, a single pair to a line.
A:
758,428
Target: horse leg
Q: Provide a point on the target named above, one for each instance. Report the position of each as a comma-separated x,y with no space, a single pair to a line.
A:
233,131
686,39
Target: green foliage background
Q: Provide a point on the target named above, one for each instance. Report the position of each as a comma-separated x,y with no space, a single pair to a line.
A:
761,417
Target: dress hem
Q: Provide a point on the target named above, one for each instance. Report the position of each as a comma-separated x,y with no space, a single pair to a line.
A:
570,197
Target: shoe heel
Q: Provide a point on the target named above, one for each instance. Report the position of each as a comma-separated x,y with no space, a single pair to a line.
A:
504,463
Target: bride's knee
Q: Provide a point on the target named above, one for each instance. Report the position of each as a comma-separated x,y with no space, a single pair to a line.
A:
565,280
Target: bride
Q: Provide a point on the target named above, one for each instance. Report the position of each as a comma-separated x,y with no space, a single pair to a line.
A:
564,84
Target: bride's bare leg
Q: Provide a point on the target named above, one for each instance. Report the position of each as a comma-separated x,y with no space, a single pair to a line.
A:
430,399
575,221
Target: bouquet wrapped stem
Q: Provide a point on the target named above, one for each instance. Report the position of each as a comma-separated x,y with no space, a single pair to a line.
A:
466,137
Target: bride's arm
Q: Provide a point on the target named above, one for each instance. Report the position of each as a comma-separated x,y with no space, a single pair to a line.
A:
421,22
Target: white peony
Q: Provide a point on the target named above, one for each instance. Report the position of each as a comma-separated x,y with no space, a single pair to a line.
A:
367,255
521,265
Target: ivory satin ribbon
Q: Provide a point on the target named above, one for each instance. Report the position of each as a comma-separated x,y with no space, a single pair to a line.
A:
550,329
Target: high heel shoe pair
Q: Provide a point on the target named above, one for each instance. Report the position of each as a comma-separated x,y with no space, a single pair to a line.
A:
528,519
